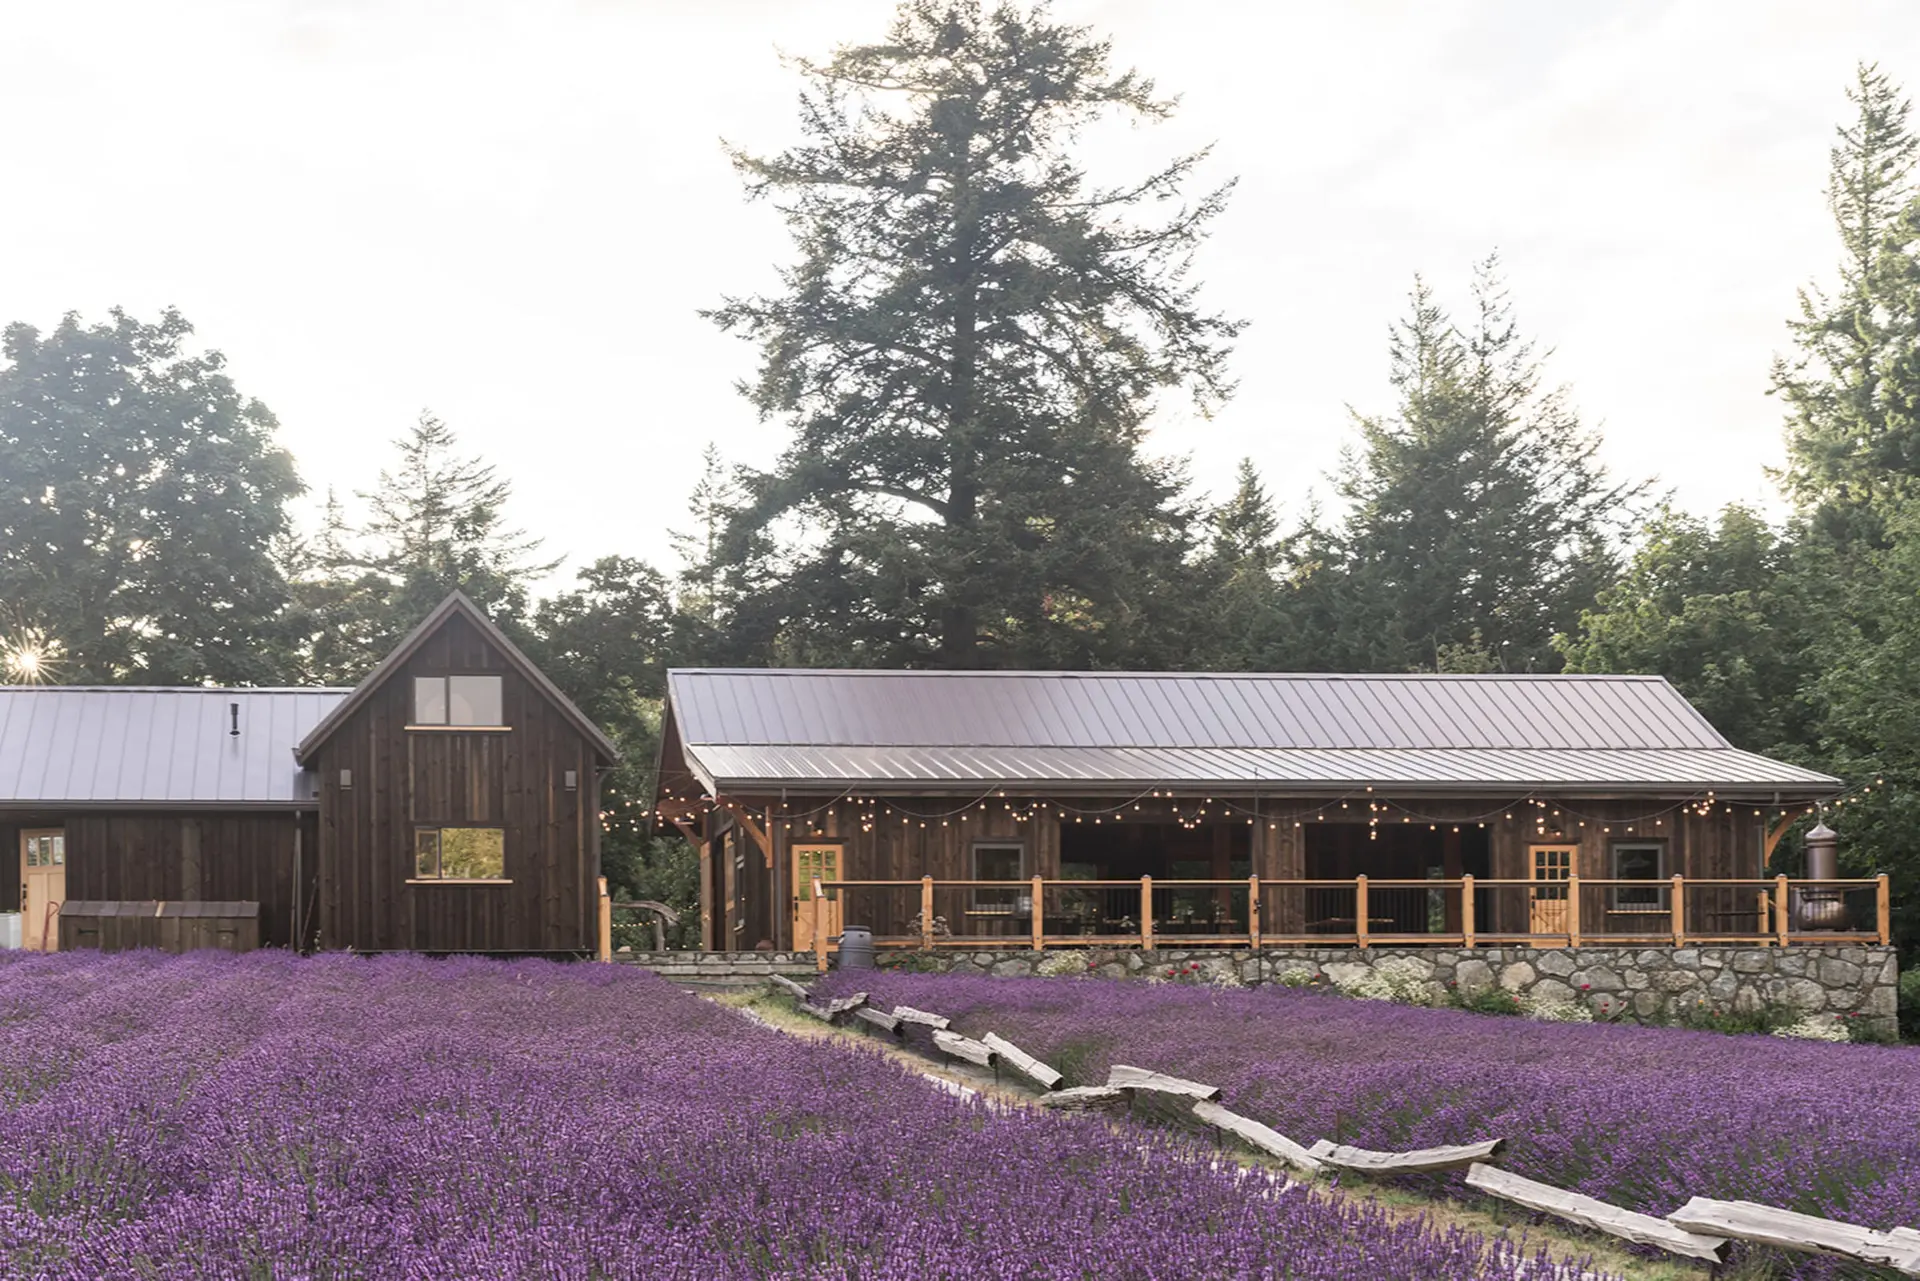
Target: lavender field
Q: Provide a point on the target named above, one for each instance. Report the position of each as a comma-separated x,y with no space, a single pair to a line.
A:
267,1117
1643,1117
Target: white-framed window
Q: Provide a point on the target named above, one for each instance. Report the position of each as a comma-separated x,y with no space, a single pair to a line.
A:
1001,861
1639,861
459,854
458,700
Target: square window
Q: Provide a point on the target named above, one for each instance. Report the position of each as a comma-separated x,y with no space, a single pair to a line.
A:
473,700
429,700
1638,863
459,854
997,863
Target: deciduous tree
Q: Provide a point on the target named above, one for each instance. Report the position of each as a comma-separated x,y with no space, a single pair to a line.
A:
140,496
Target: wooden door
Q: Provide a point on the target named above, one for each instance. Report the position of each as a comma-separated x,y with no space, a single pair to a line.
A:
814,863
1547,899
43,887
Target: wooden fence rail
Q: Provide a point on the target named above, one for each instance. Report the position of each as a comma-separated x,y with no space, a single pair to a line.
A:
1255,912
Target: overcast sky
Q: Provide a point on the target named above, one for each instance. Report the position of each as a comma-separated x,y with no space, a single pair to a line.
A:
510,212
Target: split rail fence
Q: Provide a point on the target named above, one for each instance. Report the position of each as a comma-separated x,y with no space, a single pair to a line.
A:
1255,912
1703,1228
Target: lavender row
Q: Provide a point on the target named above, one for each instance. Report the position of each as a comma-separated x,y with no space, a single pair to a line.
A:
1642,1117
266,1117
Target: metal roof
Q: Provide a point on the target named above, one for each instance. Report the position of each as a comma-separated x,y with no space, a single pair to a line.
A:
1268,732
126,746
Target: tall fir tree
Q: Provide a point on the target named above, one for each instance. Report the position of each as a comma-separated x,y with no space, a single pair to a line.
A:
968,349
437,523
141,497
1852,386
1481,521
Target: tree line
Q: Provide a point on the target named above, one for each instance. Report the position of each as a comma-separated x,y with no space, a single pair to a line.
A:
969,348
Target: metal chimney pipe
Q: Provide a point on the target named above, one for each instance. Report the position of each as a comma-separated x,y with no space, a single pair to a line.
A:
233,710
1823,853
1823,909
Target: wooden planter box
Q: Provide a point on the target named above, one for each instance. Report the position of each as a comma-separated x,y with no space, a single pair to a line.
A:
121,926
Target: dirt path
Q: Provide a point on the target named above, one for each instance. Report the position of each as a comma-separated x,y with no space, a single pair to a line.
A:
1564,1246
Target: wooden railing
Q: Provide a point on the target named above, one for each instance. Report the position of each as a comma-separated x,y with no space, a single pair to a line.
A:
1255,912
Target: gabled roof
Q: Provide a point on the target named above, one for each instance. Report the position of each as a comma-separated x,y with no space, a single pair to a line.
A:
743,729
457,603
64,747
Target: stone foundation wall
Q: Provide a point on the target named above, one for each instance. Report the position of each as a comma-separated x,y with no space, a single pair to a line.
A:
1642,984
722,969
1631,984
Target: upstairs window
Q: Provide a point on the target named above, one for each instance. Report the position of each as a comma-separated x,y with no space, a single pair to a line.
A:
459,854
457,700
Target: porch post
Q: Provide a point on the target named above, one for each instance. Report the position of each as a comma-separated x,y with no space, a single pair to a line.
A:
819,927
1253,909
1573,909
926,913
1039,915
1146,914
605,950
1782,922
1679,910
1466,911
1360,911
1883,908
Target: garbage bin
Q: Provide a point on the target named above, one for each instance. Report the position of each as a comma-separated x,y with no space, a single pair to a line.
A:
856,949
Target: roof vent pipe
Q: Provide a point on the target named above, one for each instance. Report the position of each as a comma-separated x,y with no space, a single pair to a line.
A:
233,710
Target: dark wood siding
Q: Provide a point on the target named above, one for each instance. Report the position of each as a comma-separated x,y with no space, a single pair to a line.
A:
10,880
197,857
513,779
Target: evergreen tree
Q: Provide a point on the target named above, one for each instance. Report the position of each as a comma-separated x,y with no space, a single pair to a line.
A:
1481,520
437,523
1853,385
141,496
968,349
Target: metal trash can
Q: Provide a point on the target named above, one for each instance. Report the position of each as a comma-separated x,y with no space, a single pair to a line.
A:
856,949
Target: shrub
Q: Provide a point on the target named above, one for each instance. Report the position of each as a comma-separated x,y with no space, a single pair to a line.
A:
1060,965
1559,1011
1399,979
1489,1000
1910,1004
1815,1027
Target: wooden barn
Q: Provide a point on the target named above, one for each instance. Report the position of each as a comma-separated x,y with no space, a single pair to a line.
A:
1073,809
449,802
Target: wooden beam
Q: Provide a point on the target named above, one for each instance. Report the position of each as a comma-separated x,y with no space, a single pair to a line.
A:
1750,1221
787,985
1122,1077
960,1047
1083,1097
1780,829
907,1014
1021,1061
1641,1229
757,832
1418,1161
1259,1136
885,1022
